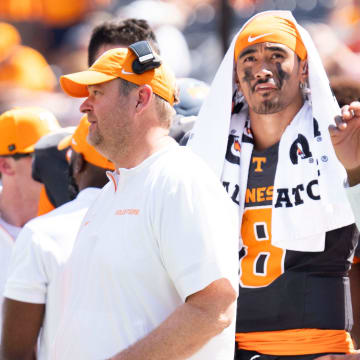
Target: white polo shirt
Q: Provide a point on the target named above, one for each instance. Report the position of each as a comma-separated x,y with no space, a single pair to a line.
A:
8,234
41,249
158,233
7,240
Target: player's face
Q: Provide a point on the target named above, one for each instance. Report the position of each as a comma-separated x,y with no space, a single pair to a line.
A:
23,169
108,112
269,75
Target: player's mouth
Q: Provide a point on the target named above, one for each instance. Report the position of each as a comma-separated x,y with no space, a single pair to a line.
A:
265,87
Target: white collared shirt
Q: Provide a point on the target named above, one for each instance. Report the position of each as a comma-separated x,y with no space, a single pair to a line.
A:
41,249
158,233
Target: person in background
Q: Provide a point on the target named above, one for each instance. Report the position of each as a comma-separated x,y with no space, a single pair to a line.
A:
114,34
20,129
22,66
192,93
50,167
347,90
34,287
345,136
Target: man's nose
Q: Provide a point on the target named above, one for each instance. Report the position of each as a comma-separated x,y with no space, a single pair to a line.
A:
86,106
264,71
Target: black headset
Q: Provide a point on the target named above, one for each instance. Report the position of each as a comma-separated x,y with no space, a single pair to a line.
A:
145,58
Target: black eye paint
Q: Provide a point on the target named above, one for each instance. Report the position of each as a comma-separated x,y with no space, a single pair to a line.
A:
248,76
282,74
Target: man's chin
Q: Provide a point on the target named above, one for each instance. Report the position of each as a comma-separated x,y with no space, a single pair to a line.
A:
267,107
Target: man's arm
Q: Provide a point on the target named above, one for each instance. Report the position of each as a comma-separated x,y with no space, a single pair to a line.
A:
21,326
204,315
345,137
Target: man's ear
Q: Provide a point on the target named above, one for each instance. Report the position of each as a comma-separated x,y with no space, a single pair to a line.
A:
304,70
78,163
144,95
6,166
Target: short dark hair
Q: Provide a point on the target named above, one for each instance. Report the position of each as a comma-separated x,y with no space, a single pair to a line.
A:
124,32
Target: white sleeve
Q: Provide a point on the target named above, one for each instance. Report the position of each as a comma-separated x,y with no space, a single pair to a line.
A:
353,194
27,280
198,231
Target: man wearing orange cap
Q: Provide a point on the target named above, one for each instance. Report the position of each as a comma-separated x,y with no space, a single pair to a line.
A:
35,287
22,66
20,129
149,277
264,131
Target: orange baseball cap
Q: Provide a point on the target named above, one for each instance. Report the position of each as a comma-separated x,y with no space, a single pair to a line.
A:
77,141
270,28
117,63
21,128
9,38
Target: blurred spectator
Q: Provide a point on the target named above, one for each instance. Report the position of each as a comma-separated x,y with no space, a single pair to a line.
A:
345,20
55,13
330,46
192,93
167,21
20,129
345,89
22,66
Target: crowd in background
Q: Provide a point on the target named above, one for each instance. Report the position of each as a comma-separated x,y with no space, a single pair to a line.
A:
50,38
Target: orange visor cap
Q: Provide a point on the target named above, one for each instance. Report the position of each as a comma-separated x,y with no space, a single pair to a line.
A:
117,63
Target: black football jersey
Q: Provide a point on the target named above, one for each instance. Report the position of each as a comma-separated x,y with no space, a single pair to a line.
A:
283,289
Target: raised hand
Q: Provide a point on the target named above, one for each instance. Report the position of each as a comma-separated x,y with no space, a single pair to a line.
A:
345,137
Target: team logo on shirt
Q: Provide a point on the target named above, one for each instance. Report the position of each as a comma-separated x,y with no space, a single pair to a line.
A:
127,212
300,149
233,150
259,161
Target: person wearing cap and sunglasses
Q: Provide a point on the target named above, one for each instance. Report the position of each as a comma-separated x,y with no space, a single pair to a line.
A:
20,129
264,131
35,286
153,273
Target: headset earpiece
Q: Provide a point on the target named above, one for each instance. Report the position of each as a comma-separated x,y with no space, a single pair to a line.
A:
145,58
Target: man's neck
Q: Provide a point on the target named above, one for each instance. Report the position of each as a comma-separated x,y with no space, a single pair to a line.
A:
142,147
267,129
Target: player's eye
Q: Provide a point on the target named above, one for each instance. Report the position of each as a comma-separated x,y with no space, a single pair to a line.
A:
277,56
249,59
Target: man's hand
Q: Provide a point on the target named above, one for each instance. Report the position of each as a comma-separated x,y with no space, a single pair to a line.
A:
340,357
345,137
